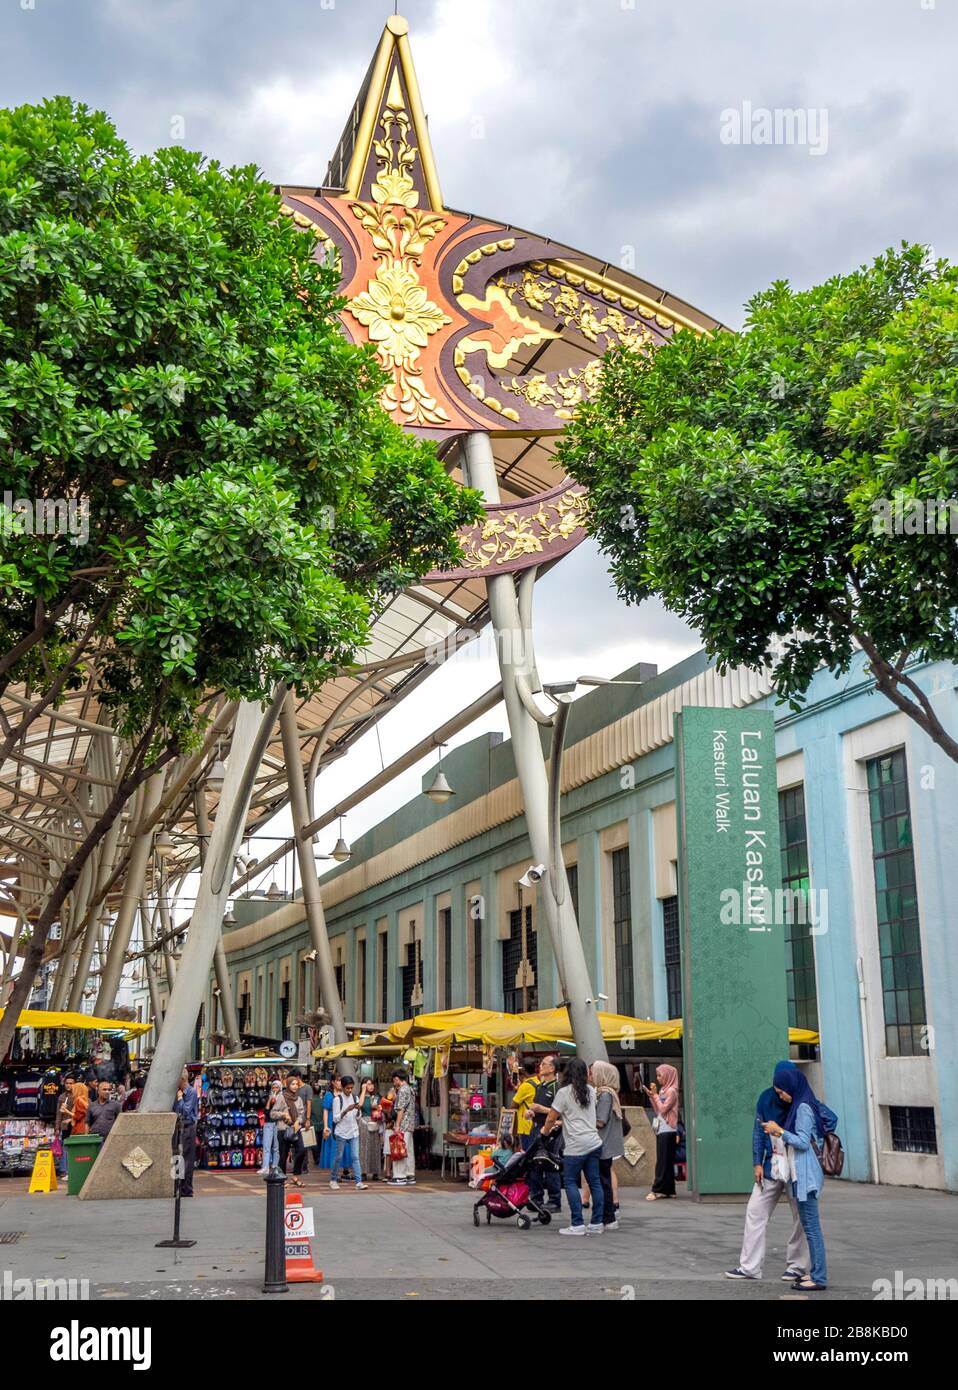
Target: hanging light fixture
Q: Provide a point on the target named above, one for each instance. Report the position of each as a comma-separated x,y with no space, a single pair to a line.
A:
216,774
274,891
229,917
163,844
341,851
439,789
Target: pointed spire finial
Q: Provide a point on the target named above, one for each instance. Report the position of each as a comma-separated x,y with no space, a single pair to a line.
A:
387,120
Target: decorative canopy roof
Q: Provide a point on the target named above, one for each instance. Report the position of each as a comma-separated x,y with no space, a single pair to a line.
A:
481,326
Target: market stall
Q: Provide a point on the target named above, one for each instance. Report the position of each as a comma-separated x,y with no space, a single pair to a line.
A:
466,1061
233,1094
47,1044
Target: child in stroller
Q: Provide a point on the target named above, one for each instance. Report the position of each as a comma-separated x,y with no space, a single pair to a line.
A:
507,1190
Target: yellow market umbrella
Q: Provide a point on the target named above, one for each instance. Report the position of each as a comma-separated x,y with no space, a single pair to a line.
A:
43,1018
544,1025
552,1025
357,1048
454,1025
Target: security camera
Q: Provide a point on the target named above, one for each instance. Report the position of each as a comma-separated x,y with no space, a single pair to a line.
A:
533,875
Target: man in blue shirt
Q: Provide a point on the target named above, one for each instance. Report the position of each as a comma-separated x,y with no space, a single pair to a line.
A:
187,1106
763,1201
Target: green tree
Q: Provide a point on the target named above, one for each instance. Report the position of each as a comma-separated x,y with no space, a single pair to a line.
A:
753,480
172,363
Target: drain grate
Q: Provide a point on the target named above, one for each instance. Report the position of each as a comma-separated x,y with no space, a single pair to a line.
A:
10,1237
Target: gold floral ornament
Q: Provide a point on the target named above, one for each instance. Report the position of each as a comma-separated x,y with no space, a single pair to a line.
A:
562,393
394,183
504,537
398,313
395,308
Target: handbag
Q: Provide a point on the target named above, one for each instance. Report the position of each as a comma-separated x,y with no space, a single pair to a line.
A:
308,1137
397,1146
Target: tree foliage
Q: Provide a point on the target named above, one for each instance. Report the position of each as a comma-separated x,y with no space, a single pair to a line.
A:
169,352
171,362
759,482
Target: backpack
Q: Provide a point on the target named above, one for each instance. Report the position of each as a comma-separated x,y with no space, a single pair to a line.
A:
831,1155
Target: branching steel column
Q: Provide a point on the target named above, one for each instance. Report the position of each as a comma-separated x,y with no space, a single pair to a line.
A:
250,739
146,928
312,894
100,863
517,665
82,969
166,927
71,917
220,967
132,889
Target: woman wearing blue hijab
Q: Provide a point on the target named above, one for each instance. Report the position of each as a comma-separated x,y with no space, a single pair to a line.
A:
768,1189
807,1119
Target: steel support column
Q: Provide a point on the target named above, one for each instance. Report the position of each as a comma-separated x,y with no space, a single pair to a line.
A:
132,889
250,738
220,967
146,930
517,665
312,894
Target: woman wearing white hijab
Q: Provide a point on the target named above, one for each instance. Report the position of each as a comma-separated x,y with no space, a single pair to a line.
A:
608,1121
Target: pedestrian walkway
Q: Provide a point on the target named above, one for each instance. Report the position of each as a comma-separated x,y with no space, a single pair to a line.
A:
420,1242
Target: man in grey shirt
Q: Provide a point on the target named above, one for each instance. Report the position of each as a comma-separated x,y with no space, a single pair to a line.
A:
103,1111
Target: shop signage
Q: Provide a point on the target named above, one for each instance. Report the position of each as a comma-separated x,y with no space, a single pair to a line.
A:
733,948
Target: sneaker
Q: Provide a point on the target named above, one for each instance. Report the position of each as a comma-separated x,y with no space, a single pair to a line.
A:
572,1231
791,1275
738,1273
396,1182
410,1182
553,1206
611,1226
361,1186
595,1230
334,1187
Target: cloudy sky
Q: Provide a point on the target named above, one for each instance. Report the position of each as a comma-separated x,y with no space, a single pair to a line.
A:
599,122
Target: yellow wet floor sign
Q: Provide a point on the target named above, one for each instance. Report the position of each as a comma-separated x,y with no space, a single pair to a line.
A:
44,1176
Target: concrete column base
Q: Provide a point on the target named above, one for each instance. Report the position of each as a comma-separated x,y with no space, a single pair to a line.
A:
637,1168
135,1159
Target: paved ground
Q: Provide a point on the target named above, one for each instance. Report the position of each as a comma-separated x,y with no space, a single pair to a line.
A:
420,1243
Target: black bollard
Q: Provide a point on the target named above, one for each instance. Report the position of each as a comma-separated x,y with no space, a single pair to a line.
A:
176,1243
275,1277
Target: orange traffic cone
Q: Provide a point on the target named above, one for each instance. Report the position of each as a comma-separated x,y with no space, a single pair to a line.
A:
298,1222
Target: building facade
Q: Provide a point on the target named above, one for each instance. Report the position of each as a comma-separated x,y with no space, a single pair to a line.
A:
429,912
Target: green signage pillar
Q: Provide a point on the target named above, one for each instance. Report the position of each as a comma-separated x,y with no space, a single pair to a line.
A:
733,938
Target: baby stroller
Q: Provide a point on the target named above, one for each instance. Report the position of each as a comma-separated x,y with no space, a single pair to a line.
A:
507,1190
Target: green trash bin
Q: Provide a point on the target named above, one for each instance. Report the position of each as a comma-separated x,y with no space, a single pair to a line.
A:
82,1150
